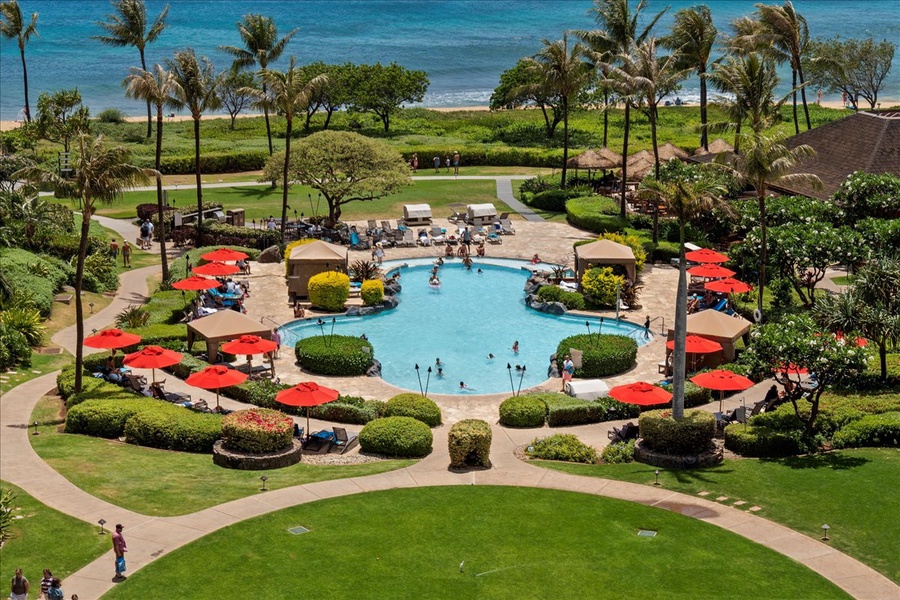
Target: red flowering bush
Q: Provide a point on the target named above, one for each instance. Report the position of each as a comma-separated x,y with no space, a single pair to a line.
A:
257,430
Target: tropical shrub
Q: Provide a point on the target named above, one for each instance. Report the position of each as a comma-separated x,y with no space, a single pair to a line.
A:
349,409
104,418
691,434
329,290
258,392
469,443
372,292
7,506
523,411
600,285
37,276
334,355
618,453
870,430
133,317
761,442
14,348
562,446
552,293
170,427
111,115
864,195
418,407
361,270
100,274
564,410
587,213
26,321
603,354
257,430
396,436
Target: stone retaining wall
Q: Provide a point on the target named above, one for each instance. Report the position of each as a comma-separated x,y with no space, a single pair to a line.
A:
231,459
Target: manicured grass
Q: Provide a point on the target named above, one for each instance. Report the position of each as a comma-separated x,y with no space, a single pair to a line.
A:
842,280
852,491
160,482
41,364
474,542
44,538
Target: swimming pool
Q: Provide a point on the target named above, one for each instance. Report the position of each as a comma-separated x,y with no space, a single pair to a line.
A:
472,315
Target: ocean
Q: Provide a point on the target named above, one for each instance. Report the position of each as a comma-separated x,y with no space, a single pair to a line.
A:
464,45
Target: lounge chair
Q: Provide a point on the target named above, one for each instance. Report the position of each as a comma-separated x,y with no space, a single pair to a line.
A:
628,431
457,217
136,383
494,238
386,227
409,238
437,235
757,408
372,227
343,441
160,393
506,227
319,442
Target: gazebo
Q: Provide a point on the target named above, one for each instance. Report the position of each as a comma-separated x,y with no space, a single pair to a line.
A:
223,326
719,327
604,253
311,259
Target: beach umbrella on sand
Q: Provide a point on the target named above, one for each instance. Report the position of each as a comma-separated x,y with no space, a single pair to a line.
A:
307,394
216,377
705,255
111,339
724,381
152,357
711,271
195,282
216,268
728,285
640,393
224,255
249,345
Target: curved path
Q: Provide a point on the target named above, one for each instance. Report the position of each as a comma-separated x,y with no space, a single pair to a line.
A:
151,537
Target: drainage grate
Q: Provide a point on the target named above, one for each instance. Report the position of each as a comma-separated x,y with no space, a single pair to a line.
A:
298,530
646,533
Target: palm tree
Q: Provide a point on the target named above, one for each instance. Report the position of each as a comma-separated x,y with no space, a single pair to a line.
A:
288,93
751,80
686,199
261,46
693,36
765,161
12,27
196,89
160,89
100,174
128,27
566,74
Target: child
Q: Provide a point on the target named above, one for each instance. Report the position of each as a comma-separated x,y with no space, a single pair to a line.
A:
515,347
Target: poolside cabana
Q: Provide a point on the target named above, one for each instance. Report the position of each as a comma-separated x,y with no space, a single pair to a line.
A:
223,326
718,327
604,253
480,215
415,215
311,259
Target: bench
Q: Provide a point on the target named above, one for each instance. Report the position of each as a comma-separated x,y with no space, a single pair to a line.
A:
64,298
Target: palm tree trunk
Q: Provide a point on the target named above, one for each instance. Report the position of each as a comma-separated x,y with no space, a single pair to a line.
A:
284,173
25,77
794,95
704,135
762,252
86,208
328,114
622,209
159,194
268,125
198,178
679,360
655,142
565,104
803,95
547,126
605,117
149,113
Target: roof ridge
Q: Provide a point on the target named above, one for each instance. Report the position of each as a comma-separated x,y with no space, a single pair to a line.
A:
877,145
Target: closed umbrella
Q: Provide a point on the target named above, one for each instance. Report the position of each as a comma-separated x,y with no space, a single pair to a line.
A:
216,268
195,282
640,393
723,381
705,255
152,357
216,377
249,345
224,255
729,285
711,271
307,394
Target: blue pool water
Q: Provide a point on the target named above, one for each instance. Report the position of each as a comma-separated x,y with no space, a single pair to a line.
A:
470,316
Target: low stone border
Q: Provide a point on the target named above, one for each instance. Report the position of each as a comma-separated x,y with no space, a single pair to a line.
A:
711,457
257,462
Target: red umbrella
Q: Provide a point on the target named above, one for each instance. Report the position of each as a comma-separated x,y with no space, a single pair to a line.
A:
110,339
724,381
249,344
713,271
224,254
215,378
307,394
152,357
195,282
860,341
793,369
694,344
729,285
640,393
705,255
216,268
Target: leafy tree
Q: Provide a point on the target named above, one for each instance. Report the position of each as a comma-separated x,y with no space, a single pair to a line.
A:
382,89
196,89
233,93
521,86
13,27
160,89
870,307
868,195
334,92
10,164
853,67
62,117
786,210
261,47
127,26
780,350
100,174
345,167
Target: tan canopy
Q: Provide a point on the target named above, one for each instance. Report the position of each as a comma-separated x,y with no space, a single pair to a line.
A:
604,158
223,326
603,253
640,164
719,327
311,259
668,151
716,146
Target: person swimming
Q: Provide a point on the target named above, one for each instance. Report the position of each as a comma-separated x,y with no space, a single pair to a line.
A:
437,362
518,368
515,346
440,371
463,386
480,271
490,356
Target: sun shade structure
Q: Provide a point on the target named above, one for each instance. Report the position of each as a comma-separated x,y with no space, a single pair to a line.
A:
311,259
640,164
705,255
216,268
717,146
723,381
668,151
592,160
249,345
728,285
481,214
152,357
604,253
416,214
694,344
711,271
719,327
111,339
224,255
195,282
223,326
216,377
307,394
640,393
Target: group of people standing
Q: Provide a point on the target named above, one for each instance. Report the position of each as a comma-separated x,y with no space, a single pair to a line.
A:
446,162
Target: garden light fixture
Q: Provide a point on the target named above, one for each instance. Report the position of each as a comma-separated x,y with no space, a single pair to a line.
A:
825,529
656,472
264,479
36,432
102,522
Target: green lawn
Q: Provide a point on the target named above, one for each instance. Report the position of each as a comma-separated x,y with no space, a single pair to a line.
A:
474,542
852,491
160,482
44,538
842,280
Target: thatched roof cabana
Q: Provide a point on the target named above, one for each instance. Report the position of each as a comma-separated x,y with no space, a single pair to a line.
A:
668,151
717,146
640,164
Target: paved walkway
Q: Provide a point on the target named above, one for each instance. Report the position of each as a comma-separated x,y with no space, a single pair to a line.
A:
505,193
151,537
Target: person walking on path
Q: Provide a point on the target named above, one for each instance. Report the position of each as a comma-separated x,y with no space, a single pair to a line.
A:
19,587
568,371
55,592
119,548
114,250
437,164
447,163
647,335
45,583
126,254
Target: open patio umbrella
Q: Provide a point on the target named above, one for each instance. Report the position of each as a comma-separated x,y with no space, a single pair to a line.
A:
711,271
249,345
224,255
723,381
640,393
792,369
729,285
216,268
152,357
216,377
307,394
111,339
694,344
195,282
705,255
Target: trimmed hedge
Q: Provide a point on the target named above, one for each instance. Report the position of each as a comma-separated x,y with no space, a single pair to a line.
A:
170,427
692,434
334,355
349,409
571,300
604,355
469,444
418,407
402,437
562,446
372,292
220,234
210,162
257,430
565,410
523,411
587,213
870,430
104,418
618,453
761,442
329,290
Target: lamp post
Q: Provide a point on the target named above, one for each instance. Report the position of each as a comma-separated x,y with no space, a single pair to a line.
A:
101,523
656,472
588,325
35,425
321,325
521,377
331,336
427,381
264,479
512,387
600,329
91,304
825,529
419,377
311,209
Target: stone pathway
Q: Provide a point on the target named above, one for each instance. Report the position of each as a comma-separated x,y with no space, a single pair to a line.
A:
505,193
151,537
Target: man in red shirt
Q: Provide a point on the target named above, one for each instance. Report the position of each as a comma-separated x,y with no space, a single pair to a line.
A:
119,547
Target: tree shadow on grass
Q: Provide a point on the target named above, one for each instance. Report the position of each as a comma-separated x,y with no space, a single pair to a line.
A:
688,477
832,460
